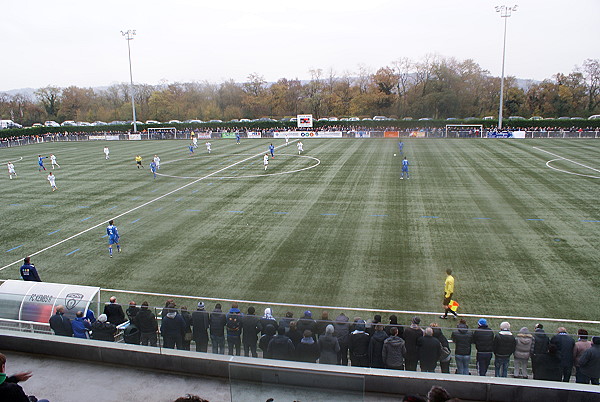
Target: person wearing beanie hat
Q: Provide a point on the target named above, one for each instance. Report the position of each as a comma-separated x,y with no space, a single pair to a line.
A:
411,337
307,323
582,344
483,338
540,346
448,292
589,364
329,346
359,345
523,350
251,327
504,347
200,325
102,330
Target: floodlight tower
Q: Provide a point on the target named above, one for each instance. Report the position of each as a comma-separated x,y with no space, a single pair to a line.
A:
129,34
505,12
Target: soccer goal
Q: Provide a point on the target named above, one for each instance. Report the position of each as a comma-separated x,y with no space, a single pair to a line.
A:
162,133
464,130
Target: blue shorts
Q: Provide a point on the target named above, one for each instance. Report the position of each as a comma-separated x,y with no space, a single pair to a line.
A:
404,169
113,240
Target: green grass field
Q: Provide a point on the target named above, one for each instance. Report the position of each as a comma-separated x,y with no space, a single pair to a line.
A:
521,237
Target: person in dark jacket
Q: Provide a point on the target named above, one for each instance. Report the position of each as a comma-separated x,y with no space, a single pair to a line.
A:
548,365
540,345
483,338
329,347
263,342
28,271
132,311
102,330
285,321
445,360
394,323
251,327
81,326
589,364
307,350
372,323
322,324
172,329
268,319
394,351
504,347
462,339
60,324
430,351
217,330
280,346
306,323
294,334
411,336
234,330
146,322
200,325
187,332
341,330
114,312
376,347
565,344
359,345
10,390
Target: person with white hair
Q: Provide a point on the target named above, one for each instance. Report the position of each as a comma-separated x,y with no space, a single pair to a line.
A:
268,319
103,330
504,346
329,346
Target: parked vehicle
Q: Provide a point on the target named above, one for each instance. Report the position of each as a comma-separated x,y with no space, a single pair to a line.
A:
152,122
174,122
51,123
68,123
594,117
9,124
99,123
379,118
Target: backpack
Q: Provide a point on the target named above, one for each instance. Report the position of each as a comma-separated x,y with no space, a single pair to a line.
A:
446,355
234,324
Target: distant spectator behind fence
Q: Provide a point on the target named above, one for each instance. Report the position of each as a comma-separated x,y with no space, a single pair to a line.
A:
81,326
359,344
234,330
60,324
200,325
504,347
394,351
329,347
565,344
217,329
114,312
589,364
430,351
483,338
148,326
581,346
462,339
251,327
172,329
523,348
411,336
341,331
102,330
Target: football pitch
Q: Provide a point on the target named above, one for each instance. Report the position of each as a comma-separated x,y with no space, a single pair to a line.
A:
517,220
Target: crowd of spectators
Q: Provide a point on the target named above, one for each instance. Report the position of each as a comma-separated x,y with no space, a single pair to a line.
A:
342,341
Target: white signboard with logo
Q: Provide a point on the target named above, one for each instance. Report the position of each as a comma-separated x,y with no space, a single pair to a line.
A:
304,120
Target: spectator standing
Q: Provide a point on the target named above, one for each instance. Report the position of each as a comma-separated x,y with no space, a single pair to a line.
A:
132,310
263,342
504,347
581,346
234,330
589,364
81,326
540,345
359,345
285,321
322,324
372,323
200,325
60,324
548,365
446,354
187,333
462,339
394,351
306,323
217,330
523,348
172,329
294,334
102,330
280,346
565,344
146,322
430,351
376,347
114,312
267,319
10,390
251,327
341,330
28,271
411,336
394,323
308,349
483,338
329,347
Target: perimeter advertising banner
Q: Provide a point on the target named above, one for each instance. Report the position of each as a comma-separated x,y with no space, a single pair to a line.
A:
304,120
112,137
227,135
203,136
97,137
135,137
391,134
252,134
308,134
361,134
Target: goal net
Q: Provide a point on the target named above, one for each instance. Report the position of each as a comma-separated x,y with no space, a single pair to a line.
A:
464,130
162,132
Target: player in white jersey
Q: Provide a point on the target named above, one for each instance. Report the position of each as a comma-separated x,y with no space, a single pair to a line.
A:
300,147
157,161
266,160
11,170
53,161
51,179
106,152
195,142
208,146
287,140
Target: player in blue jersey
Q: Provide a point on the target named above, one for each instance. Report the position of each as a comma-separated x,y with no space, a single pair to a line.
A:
237,138
113,237
41,162
191,148
153,168
404,168
272,151
400,146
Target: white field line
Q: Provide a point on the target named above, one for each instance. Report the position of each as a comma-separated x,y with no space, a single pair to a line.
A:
568,172
567,159
11,160
136,208
312,306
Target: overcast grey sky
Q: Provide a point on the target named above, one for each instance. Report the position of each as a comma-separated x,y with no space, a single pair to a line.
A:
75,42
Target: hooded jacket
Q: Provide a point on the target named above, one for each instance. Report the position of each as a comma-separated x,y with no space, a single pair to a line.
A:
483,338
328,349
307,350
341,328
172,324
524,344
146,321
540,346
462,339
376,349
281,348
393,352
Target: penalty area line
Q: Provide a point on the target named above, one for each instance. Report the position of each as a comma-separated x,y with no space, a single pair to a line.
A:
136,208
